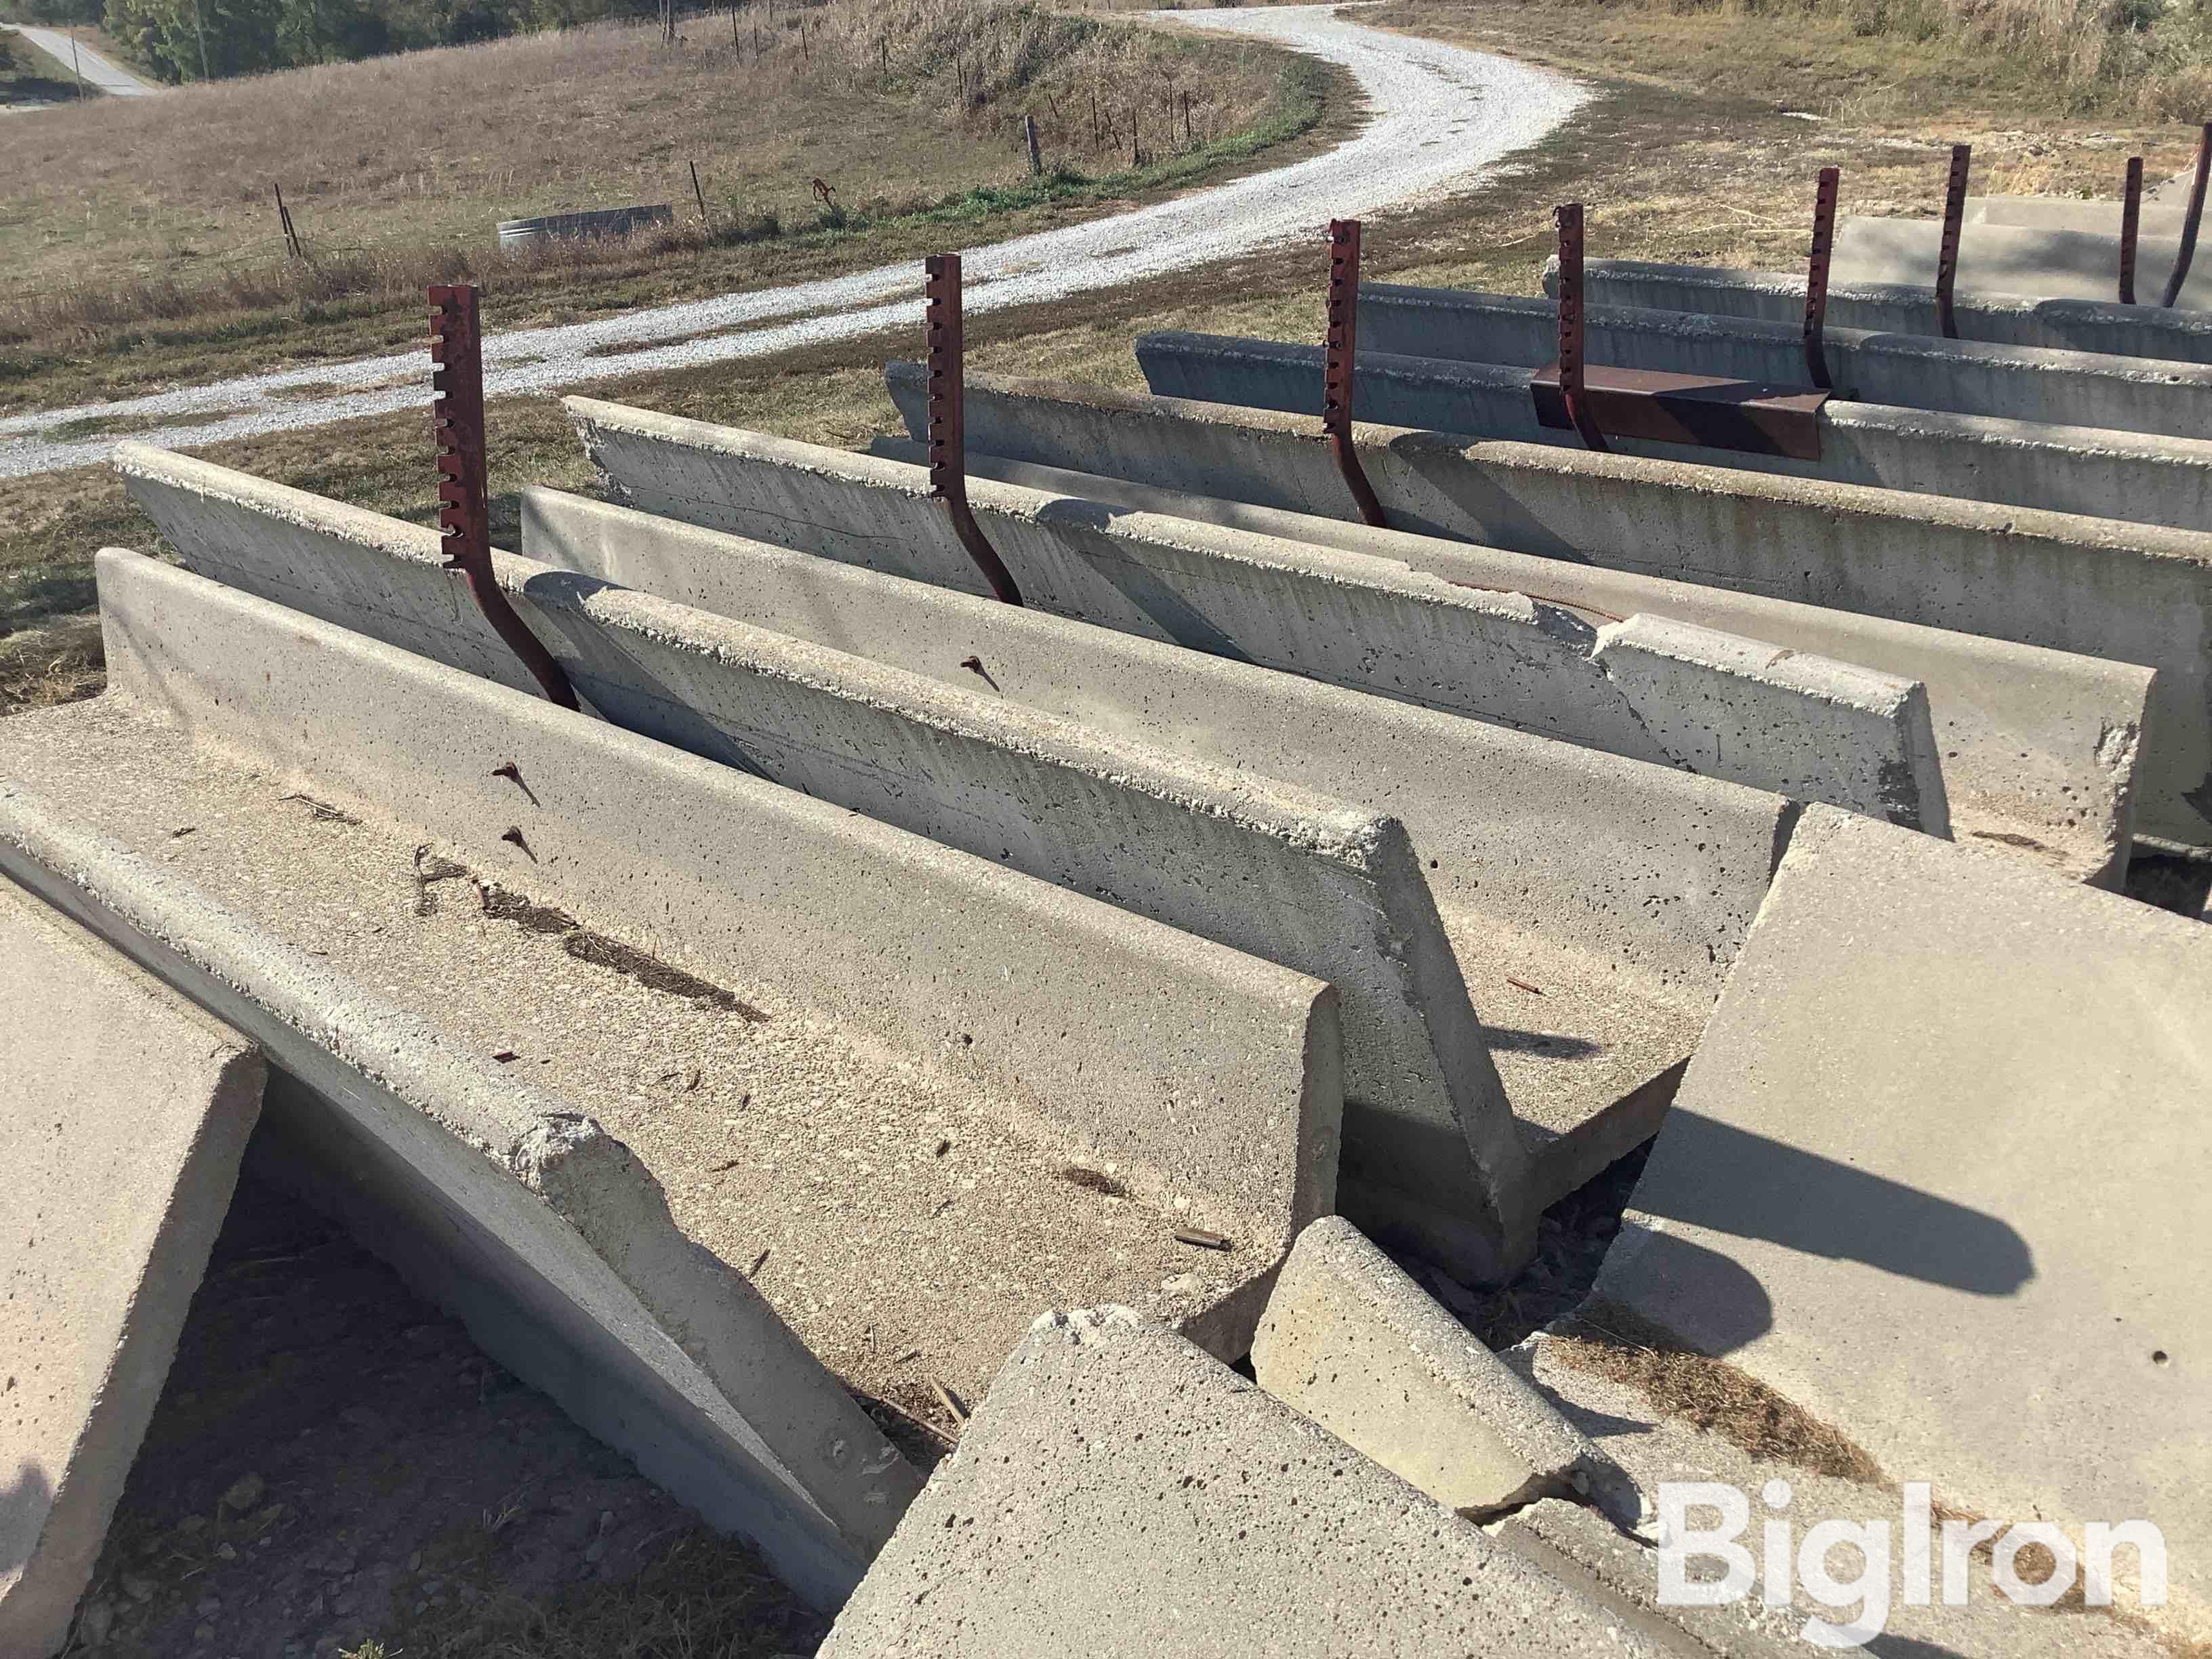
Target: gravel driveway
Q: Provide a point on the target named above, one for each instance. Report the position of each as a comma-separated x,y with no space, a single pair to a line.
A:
1440,115
111,78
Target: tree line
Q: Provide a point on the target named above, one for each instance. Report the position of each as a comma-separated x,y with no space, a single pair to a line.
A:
208,40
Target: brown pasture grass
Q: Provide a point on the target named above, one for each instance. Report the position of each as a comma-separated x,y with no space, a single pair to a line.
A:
397,170
2132,59
1686,156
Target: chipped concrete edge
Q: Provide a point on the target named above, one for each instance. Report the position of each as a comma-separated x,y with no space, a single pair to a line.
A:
1334,1262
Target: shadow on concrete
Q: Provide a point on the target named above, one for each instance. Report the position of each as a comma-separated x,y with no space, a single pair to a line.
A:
24,1504
1142,586
1513,1040
1713,1176
1888,1646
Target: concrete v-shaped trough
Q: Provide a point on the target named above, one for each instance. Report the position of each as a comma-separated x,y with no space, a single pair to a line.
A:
284,820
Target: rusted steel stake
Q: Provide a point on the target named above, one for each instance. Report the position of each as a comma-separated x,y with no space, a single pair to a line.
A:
948,424
456,423
1572,393
1340,354
2180,273
1816,279
2130,223
1946,261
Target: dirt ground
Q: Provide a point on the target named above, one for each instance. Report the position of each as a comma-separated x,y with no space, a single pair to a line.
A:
335,1469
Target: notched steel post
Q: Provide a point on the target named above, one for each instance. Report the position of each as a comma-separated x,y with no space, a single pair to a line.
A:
1946,259
1339,362
1816,277
2131,224
948,426
1574,390
457,424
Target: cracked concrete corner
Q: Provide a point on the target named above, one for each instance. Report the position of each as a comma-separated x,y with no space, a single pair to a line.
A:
1352,1343
1804,724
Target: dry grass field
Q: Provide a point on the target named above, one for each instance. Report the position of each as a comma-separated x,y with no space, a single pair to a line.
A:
1697,151
2126,59
428,149
142,240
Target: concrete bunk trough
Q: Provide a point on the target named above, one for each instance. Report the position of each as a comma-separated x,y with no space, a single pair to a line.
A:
2046,262
1908,371
2137,476
2161,219
1299,877
127,1112
1641,687
1935,1179
916,1203
2138,595
1625,923
2028,756
2137,331
1120,1494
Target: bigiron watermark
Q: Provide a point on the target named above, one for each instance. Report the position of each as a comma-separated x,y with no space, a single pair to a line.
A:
1705,1520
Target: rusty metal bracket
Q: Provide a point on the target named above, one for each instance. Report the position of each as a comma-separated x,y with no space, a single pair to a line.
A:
1667,408
457,425
2191,219
1573,391
2130,223
1946,259
1571,394
1339,357
948,424
1816,277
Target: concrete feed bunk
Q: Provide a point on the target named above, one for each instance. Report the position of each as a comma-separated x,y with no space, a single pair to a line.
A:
2139,478
315,764
2130,593
764,1059
1302,878
2100,325
1911,370
1121,1494
1932,1180
1644,687
126,1111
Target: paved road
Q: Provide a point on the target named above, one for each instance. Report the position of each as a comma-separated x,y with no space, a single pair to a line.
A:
109,76
1440,117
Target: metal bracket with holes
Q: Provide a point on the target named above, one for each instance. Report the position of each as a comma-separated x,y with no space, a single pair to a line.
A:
1340,357
457,424
948,427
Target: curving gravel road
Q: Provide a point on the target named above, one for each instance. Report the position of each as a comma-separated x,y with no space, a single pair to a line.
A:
73,54
1440,116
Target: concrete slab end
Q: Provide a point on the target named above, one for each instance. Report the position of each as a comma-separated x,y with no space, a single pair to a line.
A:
1350,1340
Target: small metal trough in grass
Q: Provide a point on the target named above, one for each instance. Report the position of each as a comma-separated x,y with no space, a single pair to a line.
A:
583,226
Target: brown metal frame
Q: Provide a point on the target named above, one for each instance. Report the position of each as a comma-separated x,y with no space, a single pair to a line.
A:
1339,355
2180,272
2131,224
1663,407
948,424
457,425
1946,260
1816,276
